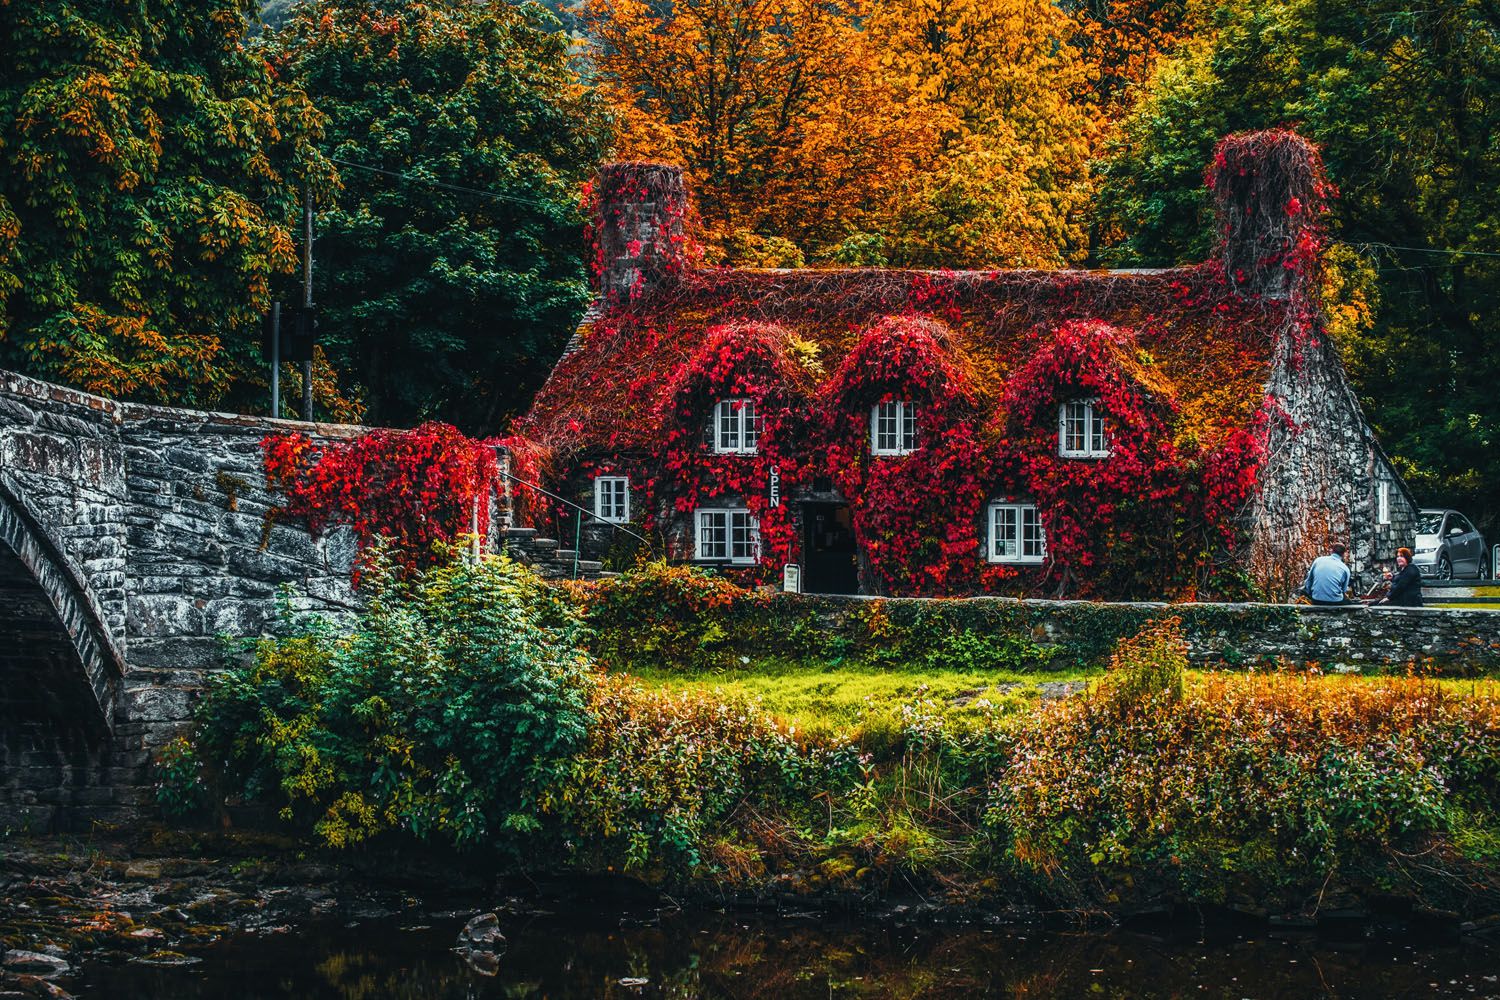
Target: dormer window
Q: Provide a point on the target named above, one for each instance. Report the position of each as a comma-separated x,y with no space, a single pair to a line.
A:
736,429
1080,430
893,428
612,499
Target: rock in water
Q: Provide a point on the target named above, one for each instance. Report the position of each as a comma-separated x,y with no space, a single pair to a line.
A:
34,963
482,933
480,944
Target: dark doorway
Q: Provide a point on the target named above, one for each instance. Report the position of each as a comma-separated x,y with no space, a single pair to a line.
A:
828,551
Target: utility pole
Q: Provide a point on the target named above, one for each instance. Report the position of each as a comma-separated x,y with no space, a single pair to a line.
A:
307,299
275,359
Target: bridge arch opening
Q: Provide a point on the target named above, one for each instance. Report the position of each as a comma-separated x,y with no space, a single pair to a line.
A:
59,682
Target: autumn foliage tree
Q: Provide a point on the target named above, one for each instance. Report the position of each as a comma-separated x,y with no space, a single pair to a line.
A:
860,131
776,107
1405,105
150,169
1009,178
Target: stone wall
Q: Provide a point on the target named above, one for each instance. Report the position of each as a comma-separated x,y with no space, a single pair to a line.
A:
1061,634
136,542
1322,479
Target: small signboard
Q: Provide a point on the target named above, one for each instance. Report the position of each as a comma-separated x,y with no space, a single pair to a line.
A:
773,486
791,578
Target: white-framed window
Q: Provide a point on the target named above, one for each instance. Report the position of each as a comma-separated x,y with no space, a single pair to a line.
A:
893,428
1080,430
736,429
1383,502
612,499
726,535
1016,534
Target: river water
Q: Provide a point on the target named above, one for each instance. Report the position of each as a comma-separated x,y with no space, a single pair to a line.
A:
713,955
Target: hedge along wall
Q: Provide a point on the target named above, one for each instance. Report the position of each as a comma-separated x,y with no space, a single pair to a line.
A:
710,625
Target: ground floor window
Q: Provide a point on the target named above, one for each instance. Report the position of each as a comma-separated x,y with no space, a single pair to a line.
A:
612,499
726,535
1016,534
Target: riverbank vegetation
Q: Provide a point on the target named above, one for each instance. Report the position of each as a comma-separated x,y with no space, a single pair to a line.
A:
474,708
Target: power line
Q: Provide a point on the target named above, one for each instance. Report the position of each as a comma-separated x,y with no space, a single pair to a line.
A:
1435,250
461,189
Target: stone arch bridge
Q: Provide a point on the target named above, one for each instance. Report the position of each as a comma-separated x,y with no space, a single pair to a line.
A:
132,540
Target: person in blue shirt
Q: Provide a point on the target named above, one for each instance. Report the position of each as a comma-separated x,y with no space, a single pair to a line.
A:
1328,578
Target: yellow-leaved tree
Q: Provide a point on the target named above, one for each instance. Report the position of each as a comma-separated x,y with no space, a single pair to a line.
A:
1005,87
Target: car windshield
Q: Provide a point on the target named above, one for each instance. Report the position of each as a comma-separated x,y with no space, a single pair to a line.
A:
1429,522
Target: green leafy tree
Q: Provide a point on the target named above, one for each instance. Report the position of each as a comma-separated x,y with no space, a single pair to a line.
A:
451,269
150,169
1403,101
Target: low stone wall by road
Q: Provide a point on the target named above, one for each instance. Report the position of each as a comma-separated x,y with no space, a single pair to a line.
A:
1072,634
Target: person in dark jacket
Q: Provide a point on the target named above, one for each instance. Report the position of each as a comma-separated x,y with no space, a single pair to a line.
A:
1406,582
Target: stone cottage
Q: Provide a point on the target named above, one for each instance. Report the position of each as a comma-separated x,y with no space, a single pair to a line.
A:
1182,432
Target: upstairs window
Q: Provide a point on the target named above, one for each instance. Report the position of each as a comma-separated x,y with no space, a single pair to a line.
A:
1383,502
1080,430
612,499
893,428
726,535
736,428
1016,534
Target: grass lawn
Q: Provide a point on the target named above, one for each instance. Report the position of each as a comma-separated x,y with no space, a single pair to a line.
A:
870,700
843,698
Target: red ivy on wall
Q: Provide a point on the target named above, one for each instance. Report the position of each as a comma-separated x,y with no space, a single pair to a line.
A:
914,515
414,488
747,362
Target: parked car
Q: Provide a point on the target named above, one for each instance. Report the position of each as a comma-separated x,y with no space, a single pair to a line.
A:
1448,546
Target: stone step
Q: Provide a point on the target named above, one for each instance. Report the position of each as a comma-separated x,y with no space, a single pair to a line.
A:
517,534
565,555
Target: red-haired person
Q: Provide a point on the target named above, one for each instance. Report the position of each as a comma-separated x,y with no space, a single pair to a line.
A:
1406,582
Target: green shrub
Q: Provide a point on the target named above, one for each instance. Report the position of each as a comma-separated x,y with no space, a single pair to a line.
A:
667,616
455,703
1150,664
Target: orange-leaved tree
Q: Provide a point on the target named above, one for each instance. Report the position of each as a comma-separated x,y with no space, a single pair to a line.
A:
1121,42
778,109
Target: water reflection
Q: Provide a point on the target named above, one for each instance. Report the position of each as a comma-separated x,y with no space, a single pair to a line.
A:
698,956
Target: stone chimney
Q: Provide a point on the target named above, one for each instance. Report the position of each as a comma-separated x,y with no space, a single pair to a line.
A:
1270,194
640,227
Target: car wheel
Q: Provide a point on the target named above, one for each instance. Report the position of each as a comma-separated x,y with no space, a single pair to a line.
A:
1445,569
